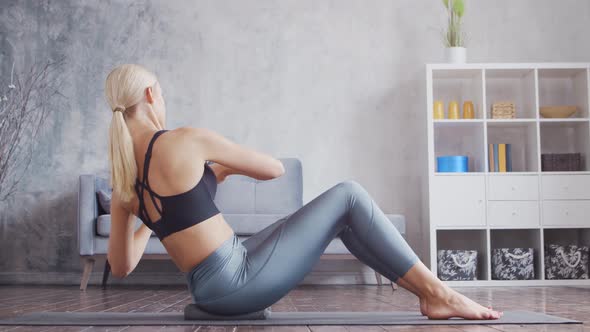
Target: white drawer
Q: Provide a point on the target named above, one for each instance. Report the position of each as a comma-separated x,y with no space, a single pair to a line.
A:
458,200
513,213
566,213
566,186
513,187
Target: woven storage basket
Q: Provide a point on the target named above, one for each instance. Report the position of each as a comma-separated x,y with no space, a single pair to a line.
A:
456,264
566,261
503,110
513,263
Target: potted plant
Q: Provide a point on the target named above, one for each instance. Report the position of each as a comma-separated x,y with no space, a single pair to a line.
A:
453,37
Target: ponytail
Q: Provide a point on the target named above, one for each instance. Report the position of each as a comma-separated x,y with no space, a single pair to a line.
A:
121,157
124,87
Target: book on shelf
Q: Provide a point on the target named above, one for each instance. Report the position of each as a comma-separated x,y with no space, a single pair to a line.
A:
491,158
508,157
500,157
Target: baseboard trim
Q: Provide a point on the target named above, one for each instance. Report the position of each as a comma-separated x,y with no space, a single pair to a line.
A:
153,278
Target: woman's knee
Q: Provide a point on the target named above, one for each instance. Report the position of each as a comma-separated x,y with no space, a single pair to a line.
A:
351,187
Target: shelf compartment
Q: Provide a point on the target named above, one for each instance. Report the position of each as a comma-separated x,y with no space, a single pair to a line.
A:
458,200
513,214
522,135
566,137
519,238
466,239
567,186
564,86
515,85
507,187
456,138
565,236
459,85
566,212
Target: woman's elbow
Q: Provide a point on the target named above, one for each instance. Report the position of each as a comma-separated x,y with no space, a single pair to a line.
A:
120,273
280,169
277,171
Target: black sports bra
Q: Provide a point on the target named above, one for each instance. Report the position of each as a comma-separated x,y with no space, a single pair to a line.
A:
182,210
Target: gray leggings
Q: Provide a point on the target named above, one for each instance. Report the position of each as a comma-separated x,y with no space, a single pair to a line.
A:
245,276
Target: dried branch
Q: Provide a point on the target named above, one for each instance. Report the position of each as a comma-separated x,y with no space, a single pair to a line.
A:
25,104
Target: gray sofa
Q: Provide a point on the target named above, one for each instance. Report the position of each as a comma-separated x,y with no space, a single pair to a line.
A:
247,204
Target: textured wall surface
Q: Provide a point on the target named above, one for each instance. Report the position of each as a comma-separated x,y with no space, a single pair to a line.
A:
339,84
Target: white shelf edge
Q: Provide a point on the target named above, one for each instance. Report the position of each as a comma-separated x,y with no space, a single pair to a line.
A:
458,121
533,282
458,173
515,120
553,120
459,228
491,227
564,172
509,65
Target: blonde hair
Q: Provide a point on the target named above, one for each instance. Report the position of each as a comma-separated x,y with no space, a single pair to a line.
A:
124,87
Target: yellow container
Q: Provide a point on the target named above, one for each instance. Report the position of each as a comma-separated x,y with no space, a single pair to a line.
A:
454,110
468,112
439,110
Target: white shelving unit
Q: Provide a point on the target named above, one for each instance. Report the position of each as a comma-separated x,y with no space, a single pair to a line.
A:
527,207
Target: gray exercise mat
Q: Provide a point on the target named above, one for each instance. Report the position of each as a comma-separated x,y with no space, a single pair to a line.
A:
275,318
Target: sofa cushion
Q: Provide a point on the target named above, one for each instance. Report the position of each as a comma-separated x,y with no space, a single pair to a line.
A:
236,194
240,194
156,247
242,224
250,226
101,182
153,246
104,199
103,225
283,194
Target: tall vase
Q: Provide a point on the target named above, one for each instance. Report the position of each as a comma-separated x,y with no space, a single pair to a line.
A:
456,54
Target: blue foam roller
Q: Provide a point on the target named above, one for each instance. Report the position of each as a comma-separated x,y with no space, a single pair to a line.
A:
452,164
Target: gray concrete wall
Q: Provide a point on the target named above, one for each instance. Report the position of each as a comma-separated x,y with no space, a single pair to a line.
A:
338,84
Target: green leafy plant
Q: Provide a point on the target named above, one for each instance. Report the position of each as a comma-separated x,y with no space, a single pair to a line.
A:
454,35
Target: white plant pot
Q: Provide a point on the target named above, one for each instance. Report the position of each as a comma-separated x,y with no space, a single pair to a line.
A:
456,54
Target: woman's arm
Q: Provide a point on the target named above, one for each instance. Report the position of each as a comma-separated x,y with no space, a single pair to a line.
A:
221,171
126,246
241,159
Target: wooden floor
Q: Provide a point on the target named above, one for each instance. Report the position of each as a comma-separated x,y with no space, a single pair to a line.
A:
568,302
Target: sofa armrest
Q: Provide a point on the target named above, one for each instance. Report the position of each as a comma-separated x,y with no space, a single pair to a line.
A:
87,214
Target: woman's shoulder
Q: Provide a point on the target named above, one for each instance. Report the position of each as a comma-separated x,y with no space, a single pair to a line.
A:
179,137
178,148
193,133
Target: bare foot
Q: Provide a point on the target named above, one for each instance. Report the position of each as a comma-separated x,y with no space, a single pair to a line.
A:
423,306
449,303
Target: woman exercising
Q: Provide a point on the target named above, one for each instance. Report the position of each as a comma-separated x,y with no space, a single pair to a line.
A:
171,189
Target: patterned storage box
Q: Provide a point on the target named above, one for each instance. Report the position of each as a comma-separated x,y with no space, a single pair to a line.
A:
513,264
561,162
566,262
457,264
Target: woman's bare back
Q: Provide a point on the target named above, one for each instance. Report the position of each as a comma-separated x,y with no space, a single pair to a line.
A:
175,167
